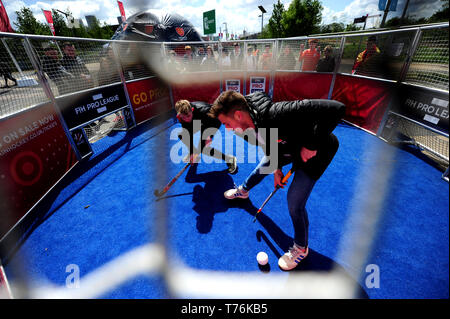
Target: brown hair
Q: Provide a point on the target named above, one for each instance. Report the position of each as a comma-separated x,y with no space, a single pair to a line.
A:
182,107
228,101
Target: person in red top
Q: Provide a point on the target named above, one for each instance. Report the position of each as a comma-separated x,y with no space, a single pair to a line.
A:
309,57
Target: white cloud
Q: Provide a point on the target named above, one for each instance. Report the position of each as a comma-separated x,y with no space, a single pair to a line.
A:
358,8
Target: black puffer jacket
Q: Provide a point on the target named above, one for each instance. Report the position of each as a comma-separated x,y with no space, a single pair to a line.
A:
306,123
200,112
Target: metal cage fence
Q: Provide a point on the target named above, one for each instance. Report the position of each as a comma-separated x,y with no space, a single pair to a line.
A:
20,88
432,143
429,65
416,55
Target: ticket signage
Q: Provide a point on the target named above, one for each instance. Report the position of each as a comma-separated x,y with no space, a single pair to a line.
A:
233,85
80,108
34,154
257,84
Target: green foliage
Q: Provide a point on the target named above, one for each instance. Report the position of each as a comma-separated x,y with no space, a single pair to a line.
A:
332,28
303,17
275,27
27,23
441,15
352,27
59,22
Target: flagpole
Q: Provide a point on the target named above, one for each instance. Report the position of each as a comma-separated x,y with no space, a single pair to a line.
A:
51,31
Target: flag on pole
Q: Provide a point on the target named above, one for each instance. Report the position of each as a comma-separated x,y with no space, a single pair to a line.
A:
5,26
49,18
122,11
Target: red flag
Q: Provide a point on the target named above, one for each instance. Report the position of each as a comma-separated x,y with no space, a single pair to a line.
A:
5,26
122,11
48,16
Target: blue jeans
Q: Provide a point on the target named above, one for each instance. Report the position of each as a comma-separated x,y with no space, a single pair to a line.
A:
297,196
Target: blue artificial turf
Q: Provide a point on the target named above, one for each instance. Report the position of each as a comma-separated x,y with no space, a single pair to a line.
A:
105,207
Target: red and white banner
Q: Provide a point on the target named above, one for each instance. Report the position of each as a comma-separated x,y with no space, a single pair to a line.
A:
122,11
34,154
49,18
5,25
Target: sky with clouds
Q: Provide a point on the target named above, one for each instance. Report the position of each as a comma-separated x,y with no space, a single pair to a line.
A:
238,15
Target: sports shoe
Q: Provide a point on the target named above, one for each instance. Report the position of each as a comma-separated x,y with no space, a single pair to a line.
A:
232,166
292,258
237,192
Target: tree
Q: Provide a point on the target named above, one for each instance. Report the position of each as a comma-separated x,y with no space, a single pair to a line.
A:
441,15
59,22
332,28
303,17
100,32
27,23
352,27
275,26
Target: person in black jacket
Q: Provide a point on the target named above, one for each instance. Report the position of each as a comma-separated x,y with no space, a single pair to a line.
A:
5,71
55,71
327,63
73,64
297,132
187,114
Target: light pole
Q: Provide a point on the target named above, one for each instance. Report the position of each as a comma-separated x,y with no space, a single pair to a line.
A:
262,16
226,31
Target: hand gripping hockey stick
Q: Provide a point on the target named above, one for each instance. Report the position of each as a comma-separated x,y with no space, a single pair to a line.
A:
284,180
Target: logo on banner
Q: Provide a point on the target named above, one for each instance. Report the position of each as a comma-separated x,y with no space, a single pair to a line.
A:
426,107
26,168
257,84
180,31
78,138
149,28
79,109
233,85
128,118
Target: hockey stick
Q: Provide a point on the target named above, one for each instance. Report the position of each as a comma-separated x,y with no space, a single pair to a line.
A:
159,193
284,180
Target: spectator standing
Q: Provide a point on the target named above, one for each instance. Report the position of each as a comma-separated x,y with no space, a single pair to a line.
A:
74,64
209,62
327,63
51,65
236,57
310,57
367,62
286,60
250,60
265,60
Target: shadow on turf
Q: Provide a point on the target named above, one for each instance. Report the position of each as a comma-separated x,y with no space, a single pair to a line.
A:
209,200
